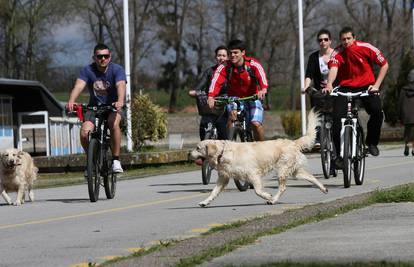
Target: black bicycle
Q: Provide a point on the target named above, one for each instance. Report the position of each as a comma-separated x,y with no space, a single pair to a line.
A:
211,131
98,163
353,149
327,148
240,130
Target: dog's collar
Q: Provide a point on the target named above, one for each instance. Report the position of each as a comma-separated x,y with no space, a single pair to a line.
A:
222,152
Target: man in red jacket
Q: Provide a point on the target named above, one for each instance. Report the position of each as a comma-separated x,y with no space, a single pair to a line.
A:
245,77
351,63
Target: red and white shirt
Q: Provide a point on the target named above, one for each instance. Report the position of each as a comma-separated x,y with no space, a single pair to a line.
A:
355,64
240,84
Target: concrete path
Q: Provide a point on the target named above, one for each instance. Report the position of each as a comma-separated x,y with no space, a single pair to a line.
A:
382,232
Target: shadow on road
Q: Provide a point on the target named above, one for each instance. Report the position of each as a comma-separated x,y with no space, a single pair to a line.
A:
71,200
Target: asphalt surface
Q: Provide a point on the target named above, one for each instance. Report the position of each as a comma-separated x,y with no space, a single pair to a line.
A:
62,228
382,232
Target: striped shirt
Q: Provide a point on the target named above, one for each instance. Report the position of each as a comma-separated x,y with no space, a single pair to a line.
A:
240,84
355,63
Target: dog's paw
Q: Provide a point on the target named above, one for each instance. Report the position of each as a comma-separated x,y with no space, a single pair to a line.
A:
203,204
269,202
325,190
17,203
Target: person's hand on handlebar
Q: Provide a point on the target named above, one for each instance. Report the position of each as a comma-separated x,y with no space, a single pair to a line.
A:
210,101
373,89
70,105
261,94
328,89
192,93
118,105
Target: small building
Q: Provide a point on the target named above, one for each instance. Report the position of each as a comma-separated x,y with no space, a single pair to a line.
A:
31,119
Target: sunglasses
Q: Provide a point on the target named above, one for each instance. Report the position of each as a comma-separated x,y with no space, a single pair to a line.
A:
103,56
323,39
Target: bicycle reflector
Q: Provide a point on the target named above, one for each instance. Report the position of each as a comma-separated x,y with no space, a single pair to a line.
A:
79,112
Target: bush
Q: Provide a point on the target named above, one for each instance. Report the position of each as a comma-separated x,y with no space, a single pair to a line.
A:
148,121
291,123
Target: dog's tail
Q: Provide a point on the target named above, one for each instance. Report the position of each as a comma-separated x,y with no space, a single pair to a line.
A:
307,141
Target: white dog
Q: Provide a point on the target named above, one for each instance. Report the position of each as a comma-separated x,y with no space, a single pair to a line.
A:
17,174
251,161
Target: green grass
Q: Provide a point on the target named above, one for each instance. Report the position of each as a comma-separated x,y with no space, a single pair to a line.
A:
64,97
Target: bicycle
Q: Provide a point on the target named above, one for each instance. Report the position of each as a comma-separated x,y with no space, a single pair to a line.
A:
240,130
327,148
211,131
353,149
98,164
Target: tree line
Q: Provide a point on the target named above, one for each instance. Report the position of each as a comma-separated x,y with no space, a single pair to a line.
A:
172,41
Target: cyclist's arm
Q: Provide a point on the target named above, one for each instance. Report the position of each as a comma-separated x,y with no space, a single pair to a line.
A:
202,84
307,84
121,88
261,78
219,78
77,89
333,72
381,75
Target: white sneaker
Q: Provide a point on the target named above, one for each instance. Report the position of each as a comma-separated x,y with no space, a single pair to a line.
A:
116,166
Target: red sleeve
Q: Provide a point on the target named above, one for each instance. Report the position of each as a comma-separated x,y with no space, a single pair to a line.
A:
260,74
376,55
219,78
335,59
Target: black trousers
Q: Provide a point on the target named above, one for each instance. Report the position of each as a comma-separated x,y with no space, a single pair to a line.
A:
372,105
220,122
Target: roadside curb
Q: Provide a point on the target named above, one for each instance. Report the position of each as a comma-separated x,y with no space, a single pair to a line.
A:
174,254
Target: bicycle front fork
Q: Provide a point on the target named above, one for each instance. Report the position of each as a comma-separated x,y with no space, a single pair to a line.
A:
353,126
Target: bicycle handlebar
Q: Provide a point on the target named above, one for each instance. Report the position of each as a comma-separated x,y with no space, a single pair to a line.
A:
231,99
78,109
336,92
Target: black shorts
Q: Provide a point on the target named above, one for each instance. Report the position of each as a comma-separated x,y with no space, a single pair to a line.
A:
90,115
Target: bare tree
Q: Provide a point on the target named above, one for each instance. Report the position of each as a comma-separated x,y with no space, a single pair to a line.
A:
25,25
105,20
172,18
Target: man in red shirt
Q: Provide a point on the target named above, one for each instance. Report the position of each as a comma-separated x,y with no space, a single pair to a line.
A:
351,63
245,77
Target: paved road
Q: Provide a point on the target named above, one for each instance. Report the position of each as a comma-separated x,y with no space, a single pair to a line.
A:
63,228
382,232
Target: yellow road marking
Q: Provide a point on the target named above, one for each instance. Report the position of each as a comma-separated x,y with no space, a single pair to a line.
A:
87,214
200,230
215,224
108,258
82,264
135,250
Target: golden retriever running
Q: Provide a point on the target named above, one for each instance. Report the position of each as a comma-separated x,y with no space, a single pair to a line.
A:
251,161
17,174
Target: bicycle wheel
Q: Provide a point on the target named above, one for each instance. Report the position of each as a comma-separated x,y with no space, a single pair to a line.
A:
238,136
93,169
347,156
359,162
205,168
109,178
326,144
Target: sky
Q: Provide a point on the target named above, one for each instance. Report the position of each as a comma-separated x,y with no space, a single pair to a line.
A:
78,48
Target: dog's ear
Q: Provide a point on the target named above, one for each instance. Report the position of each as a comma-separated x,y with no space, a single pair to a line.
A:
19,157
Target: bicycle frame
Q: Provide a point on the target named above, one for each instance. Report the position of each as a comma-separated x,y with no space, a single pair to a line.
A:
351,119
